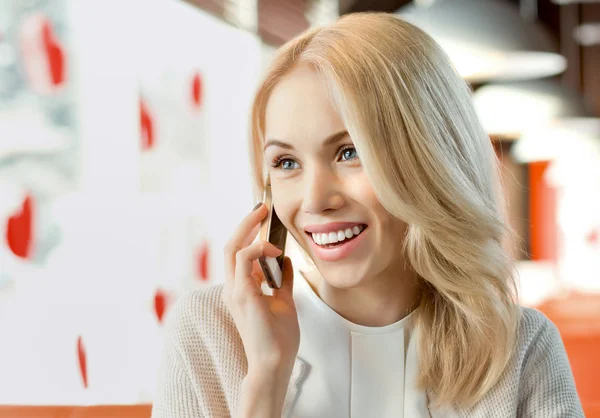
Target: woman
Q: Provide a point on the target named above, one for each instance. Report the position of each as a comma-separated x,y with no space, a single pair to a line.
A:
383,175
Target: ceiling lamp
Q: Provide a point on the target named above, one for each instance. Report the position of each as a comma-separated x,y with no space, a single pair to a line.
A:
573,139
487,39
587,34
561,2
507,110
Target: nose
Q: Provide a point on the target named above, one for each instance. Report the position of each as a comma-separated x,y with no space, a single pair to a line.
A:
322,192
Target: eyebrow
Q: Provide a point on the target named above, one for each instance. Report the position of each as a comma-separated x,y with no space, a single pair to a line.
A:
330,140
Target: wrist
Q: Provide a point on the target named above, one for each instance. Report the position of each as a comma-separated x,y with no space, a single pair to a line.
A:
272,385
270,375
263,395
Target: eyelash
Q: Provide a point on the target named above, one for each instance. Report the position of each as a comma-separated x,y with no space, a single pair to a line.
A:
276,162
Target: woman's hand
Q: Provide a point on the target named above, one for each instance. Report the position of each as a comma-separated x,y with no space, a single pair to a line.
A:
268,325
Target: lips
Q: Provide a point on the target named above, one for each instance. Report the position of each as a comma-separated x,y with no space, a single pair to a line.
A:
338,251
335,241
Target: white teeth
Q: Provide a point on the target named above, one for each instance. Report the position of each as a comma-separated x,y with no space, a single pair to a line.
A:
317,238
333,237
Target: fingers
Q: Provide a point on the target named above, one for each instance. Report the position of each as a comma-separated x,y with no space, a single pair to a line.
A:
244,258
242,237
257,273
287,283
246,283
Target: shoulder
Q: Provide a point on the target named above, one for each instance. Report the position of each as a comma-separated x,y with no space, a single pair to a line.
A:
197,304
534,322
199,317
546,383
537,333
538,340
535,326
537,381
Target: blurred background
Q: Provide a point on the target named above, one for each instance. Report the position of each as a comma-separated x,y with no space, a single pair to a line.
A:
124,170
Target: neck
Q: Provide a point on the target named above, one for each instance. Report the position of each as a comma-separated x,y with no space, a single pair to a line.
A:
379,301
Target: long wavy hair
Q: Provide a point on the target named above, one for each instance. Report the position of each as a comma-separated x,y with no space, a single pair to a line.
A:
431,164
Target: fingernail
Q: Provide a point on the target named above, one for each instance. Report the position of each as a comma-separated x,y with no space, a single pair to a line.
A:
258,205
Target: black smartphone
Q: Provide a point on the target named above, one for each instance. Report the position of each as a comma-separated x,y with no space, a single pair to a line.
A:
273,231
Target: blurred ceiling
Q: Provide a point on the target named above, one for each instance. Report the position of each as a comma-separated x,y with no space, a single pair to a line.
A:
573,24
353,6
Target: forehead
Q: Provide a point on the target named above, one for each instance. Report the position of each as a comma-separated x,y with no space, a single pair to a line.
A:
299,108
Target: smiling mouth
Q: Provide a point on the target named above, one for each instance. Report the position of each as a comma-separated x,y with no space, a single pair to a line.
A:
336,238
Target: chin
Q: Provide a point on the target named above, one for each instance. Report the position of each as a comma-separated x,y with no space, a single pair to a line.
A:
342,277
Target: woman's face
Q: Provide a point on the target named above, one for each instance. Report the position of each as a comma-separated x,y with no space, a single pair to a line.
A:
320,190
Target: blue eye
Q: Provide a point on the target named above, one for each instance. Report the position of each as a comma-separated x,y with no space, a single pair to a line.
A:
349,153
283,163
287,164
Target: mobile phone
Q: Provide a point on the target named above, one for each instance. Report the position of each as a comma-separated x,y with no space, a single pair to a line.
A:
273,231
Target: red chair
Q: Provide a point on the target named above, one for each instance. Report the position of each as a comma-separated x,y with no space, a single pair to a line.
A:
578,320
102,411
591,410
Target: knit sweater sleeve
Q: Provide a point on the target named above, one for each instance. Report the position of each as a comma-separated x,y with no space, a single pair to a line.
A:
204,362
547,387
175,395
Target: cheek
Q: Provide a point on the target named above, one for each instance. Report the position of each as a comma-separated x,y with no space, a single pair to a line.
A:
285,204
359,187
389,225
393,231
362,192
285,213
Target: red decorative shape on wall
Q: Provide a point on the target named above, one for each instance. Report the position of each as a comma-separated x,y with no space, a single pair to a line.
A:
54,53
147,126
160,303
44,55
19,230
197,90
82,358
203,262
593,238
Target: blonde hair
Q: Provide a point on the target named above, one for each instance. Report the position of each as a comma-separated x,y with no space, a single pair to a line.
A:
431,164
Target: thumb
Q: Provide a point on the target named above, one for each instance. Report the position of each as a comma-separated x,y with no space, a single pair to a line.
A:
287,284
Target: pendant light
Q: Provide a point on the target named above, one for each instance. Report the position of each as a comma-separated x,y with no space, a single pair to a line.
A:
508,110
487,39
